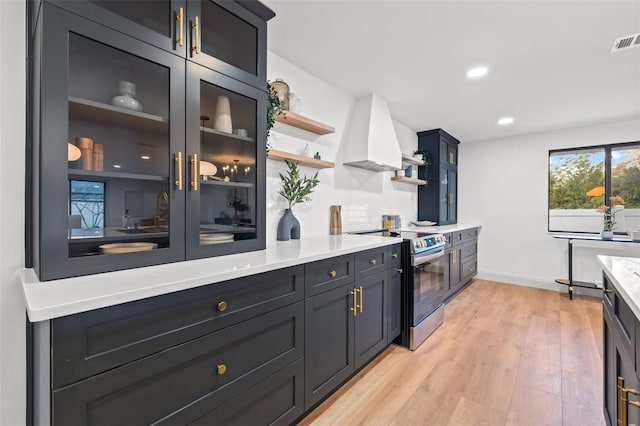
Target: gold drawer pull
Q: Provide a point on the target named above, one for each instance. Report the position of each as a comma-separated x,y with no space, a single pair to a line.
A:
332,274
222,306
394,255
221,369
372,261
400,270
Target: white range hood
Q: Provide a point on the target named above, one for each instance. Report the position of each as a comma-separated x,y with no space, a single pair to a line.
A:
371,141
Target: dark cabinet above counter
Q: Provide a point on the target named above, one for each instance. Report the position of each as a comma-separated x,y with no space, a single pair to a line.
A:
146,181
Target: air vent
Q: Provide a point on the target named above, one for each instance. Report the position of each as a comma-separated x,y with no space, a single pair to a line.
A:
626,42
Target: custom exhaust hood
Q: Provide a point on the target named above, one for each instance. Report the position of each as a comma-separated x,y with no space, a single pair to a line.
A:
371,142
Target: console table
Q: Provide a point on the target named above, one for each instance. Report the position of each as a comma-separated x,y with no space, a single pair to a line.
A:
570,238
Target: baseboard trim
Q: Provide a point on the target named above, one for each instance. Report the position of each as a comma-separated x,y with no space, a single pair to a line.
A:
535,283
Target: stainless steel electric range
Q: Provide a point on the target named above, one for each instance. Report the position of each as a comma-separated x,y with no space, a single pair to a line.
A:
424,283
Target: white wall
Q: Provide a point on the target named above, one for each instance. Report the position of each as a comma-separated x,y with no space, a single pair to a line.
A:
503,185
12,150
364,195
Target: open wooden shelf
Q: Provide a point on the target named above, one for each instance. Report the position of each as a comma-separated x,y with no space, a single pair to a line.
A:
274,154
304,123
412,181
408,159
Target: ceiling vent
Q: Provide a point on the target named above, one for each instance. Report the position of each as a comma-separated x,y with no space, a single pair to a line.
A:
626,42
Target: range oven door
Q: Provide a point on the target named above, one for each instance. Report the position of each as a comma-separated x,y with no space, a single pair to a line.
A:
430,284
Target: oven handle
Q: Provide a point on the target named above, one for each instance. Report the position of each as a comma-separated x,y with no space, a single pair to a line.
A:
419,260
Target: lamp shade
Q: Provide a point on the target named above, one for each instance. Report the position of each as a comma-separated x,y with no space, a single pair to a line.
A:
207,168
73,152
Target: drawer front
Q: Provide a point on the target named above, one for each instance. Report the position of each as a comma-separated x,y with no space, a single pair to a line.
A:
328,274
89,343
199,375
469,234
278,400
394,256
449,238
469,249
469,269
456,238
371,261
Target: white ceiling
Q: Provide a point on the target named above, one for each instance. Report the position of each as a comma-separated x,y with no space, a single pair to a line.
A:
549,62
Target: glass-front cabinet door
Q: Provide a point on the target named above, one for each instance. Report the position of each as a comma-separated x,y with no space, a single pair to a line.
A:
110,143
226,37
161,23
226,157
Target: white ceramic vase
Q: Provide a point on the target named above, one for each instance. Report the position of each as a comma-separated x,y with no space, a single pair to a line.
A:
222,119
606,235
126,98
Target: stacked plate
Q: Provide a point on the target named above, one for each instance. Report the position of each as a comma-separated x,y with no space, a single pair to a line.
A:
126,247
215,238
423,223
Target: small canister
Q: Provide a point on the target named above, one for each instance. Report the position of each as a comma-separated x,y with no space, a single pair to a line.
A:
98,157
282,89
86,150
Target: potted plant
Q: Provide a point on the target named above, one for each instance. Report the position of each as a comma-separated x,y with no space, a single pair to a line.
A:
295,189
609,216
426,158
275,107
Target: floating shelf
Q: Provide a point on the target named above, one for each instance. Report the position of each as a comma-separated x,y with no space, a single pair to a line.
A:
274,154
304,123
407,159
84,174
225,134
84,109
409,180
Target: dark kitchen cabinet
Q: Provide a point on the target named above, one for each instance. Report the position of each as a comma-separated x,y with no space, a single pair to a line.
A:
620,352
394,297
438,200
462,250
226,36
347,324
136,162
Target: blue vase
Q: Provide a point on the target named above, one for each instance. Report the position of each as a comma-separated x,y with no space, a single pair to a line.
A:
288,227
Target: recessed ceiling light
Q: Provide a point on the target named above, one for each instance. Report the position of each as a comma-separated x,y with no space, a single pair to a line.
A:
116,166
477,72
505,121
145,157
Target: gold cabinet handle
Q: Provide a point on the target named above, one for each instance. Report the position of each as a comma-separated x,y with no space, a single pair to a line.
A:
394,255
354,309
361,293
451,198
196,36
178,171
332,274
400,270
372,261
180,19
221,369
623,401
194,172
222,306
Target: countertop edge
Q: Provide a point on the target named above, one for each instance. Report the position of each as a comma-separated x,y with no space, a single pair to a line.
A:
57,298
620,270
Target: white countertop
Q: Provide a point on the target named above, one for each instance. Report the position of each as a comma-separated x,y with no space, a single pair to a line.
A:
57,298
622,272
444,229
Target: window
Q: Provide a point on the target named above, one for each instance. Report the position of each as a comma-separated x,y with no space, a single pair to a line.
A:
87,201
583,179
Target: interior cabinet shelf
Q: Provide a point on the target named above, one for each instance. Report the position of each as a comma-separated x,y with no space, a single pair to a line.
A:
229,184
225,134
84,174
407,159
274,154
84,109
409,180
304,123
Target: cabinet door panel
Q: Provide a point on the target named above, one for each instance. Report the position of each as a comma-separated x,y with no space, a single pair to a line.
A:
370,325
329,323
89,343
394,304
112,127
226,190
229,39
189,375
609,370
155,22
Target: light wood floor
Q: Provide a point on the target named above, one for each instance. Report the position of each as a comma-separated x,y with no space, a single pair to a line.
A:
505,355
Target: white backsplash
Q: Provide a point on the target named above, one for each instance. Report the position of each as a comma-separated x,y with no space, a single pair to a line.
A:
364,195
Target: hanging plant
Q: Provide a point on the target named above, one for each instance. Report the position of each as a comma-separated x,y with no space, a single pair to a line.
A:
426,159
274,107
